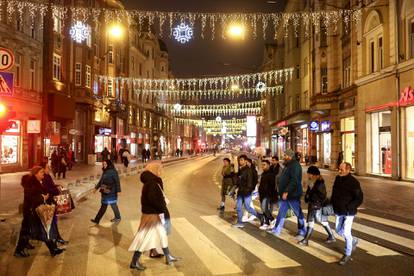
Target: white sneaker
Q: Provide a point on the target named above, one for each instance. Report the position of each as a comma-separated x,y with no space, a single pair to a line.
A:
251,218
272,223
264,227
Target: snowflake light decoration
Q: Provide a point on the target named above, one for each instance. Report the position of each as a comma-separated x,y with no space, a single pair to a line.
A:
79,32
183,33
260,87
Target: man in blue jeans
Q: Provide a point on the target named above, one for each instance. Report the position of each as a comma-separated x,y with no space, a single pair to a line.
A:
290,192
244,192
346,197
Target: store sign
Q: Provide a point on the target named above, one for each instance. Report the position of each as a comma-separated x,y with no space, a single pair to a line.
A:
73,131
326,126
314,126
105,131
15,128
33,126
282,124
6,83
407,96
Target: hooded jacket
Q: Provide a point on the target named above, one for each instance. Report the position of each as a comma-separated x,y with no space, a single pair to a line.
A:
347,195
152,197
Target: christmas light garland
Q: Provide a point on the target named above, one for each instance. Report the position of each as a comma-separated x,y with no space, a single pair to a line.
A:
218,111
210,123
189,108
290,22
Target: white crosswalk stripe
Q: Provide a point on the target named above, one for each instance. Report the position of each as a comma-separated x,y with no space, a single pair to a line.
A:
271,257
388,222
212,257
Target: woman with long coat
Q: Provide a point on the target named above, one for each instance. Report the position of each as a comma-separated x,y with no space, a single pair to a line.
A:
38,196
151,232
109,186
53,191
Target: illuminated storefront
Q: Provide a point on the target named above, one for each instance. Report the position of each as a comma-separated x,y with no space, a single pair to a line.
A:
10,145
348,140
102,140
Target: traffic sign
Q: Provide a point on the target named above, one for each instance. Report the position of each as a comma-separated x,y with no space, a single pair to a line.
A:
6,59
6,83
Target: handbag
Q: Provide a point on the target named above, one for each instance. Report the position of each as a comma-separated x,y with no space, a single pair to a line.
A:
63,203
105,188
328,210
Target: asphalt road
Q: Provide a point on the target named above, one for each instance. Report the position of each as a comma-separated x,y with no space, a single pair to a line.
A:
206,241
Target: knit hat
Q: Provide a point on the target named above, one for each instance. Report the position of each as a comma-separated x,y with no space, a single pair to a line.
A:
290,153
313,170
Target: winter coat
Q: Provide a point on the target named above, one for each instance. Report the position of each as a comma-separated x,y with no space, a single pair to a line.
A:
110,178
275,169
316,196
105,154
347,195
50,186
25,182
55,161
267,187
245,183
152,197
290,180
37,231
227,173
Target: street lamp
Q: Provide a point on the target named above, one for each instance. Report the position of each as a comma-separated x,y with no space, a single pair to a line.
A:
236,31
116,31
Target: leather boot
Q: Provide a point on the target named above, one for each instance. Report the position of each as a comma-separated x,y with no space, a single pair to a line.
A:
331,237
305,241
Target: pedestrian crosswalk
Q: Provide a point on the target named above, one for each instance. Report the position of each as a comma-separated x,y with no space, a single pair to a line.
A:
213,256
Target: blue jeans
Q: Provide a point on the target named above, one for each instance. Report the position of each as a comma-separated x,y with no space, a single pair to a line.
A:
284,206
267,209
343,226
244,200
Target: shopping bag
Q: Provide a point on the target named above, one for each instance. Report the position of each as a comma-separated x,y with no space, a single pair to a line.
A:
63,204
45,213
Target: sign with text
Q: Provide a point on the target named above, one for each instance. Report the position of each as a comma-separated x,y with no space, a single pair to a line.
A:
33,126
326,126
6,83
314,126
407,96
6,59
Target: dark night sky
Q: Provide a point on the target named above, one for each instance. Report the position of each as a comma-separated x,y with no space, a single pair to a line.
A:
205,57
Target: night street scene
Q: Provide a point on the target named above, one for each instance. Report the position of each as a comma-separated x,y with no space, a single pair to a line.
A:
206,137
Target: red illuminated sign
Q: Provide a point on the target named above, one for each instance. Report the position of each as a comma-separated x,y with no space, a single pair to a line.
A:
407,96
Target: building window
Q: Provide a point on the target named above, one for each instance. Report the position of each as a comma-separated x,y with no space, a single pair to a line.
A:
144,119
162,68
346,72
411,39
78,74
297,72
372,57
95,85
140,69
324,80
57,63
298,103
33,30
306,100
88,77
19,25
380,53
57,21
324,36
110,88
89,38
133,63
18,66
110,55
32,74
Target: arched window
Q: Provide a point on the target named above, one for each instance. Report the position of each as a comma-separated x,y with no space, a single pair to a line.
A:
374,42
407,14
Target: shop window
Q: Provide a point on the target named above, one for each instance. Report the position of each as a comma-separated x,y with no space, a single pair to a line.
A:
381,143
57,63
9,149
88,77
78,74
410,142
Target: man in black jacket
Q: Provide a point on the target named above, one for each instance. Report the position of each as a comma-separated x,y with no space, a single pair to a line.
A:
267,193
346,197
244,192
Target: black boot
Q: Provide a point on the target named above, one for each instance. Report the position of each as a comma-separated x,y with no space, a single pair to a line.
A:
331,237
169,259
53,249
305,241
135,264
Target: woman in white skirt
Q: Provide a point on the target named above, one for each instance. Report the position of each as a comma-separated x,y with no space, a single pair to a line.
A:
151,232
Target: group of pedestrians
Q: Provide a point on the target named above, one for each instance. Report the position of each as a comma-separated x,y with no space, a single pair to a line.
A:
61,161
281,185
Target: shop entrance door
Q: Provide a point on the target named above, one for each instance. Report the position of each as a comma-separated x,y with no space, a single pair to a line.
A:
385,153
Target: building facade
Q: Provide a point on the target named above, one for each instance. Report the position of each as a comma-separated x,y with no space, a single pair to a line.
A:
21,144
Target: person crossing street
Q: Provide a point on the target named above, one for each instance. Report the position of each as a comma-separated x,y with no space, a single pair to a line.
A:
227,182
